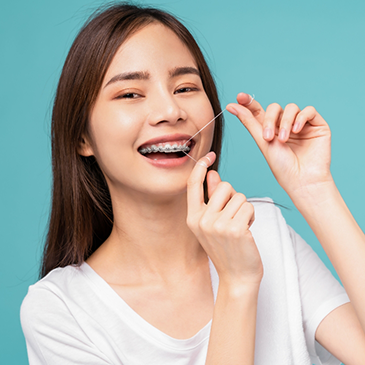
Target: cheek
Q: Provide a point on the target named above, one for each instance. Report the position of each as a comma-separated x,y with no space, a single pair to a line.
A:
209,136
205,123
113,134
111,124
205,113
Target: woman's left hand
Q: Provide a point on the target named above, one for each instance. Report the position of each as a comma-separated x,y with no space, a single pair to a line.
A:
295,143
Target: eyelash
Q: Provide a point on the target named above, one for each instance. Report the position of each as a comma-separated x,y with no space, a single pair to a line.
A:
186,88
125,96
178,91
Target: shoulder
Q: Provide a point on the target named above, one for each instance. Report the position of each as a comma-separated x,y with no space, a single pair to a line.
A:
57,327
268,215
55,280
48,295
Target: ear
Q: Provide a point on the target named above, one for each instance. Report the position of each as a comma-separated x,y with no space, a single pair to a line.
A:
84,148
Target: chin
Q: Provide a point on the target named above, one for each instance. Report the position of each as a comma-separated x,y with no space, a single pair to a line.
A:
168,189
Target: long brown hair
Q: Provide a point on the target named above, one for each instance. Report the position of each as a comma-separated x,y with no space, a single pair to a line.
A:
81,218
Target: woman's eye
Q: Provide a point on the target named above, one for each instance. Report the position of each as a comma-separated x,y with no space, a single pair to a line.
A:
128,96
185,89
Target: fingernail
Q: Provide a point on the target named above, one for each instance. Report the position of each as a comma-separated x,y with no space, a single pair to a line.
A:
282,134
244,94
232,110
210,156
202,163
267,133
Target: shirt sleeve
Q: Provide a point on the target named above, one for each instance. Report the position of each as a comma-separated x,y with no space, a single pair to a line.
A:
52,334
320,294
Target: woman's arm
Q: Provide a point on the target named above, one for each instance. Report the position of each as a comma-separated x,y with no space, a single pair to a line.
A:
327,214
222,228
342,331
232,337
297,146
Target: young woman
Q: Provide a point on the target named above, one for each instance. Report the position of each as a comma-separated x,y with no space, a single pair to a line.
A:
145,262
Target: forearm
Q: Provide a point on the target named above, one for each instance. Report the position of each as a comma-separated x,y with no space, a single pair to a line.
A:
232,337
340,236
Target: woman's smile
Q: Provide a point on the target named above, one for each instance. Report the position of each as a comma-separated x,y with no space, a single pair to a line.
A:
147,110
168,150
147,248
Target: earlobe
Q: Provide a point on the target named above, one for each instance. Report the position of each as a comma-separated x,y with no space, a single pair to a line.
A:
84,148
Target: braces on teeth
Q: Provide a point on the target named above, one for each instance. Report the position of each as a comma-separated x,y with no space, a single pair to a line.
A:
166,149
178,148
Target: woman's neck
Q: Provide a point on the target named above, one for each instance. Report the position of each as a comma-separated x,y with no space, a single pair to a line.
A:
150,241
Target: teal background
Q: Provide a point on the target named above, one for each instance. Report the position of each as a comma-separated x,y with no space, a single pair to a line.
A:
307,52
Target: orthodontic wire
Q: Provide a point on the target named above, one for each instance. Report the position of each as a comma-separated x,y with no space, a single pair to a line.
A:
200,131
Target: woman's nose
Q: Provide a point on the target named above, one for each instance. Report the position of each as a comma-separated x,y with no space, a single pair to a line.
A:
165,109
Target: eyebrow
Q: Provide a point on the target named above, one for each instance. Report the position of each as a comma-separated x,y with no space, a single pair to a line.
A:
144,75
179,71
135,75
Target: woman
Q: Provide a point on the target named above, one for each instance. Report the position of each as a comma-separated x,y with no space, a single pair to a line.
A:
147,263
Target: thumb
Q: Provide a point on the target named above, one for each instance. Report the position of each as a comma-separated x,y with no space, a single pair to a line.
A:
249,121
213,179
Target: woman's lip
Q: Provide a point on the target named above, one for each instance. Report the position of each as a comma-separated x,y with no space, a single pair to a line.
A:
169,162
166,138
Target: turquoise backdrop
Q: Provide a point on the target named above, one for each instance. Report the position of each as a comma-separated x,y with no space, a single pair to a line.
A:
308,52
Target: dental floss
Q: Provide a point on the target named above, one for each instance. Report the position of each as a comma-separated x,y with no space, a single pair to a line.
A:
252,99
204,126
190,157
205,165
202,163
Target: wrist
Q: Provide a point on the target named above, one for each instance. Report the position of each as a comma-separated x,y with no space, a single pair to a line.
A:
320,204
314,194
239,289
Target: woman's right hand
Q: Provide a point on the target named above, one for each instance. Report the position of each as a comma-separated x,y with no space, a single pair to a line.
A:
222,226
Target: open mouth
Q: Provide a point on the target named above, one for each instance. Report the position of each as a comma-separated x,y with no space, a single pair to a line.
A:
163,151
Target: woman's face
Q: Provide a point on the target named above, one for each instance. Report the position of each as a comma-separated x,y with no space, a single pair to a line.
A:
152,94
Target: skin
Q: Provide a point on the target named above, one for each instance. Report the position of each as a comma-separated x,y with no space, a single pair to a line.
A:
163,230
152,200
296,145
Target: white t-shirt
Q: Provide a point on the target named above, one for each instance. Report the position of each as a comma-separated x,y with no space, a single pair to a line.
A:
72,316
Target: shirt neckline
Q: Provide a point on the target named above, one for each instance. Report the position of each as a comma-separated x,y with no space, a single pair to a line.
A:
138,323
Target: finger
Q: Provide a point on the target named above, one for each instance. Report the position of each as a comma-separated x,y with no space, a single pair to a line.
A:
308,114
195,188
286,124
252,105
250,122
233,206
213,179
221,196
246,214
273,114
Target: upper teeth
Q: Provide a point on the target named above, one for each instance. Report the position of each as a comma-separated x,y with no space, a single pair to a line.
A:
167,148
